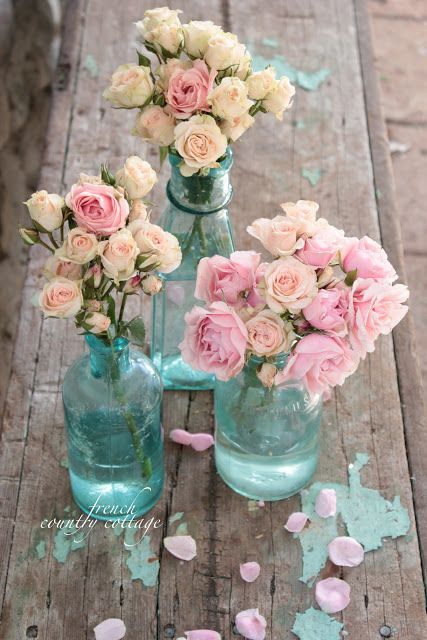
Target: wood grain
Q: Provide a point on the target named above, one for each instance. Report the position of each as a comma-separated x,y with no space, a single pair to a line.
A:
342,137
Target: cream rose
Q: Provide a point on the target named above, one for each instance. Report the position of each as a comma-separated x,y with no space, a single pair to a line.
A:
137,177
155,125
279,235
197,34
56,266
266,374
165,71
303,213
261,83
46,209
162,28
225,51
162,247
229,99
237,127
131,86
138,211
79,246
268,334
289,285
200,142
61,298
151,285
97,322
280,97
118,255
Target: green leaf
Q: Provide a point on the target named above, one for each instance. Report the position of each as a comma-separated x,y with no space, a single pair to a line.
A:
350,277
143,61
163,153
111,309
136,328
107,176
159,100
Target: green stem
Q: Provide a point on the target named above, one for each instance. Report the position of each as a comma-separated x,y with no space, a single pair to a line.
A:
44,244
52,239
122,308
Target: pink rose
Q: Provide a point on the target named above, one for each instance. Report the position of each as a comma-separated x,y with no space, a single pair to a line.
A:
278,236
321,249
98,208
368,257
268,334
227,279
61,298
188,89
320,362
374,308
327,311
289,284
256,296
215,340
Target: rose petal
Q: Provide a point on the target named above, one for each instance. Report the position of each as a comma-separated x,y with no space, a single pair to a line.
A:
251,624
326,503
181,437
111,629
201,441
182,547
250,571
261,503
332,595
345,551
202,634
296,522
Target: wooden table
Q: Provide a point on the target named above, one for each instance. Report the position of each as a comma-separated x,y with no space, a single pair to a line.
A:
336,129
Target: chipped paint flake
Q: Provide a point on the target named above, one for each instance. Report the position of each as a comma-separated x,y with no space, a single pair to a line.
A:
182,529
41,549
142,562
308,80
312,175
316,625
91,66
176,516
66,540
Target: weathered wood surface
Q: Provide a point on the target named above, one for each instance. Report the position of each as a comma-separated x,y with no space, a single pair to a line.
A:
374,412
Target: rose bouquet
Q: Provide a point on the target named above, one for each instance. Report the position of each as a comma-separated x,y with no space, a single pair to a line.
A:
323,301
103,249
203,93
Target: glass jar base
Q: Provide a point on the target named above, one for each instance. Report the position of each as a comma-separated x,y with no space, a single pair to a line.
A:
108,502
177,375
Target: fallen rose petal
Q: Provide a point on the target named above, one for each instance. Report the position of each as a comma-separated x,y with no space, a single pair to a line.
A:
332,595
261,503
251,624
296,522
345,551
182,547
201,441
250,571
181,437
202,634
326,503
111,629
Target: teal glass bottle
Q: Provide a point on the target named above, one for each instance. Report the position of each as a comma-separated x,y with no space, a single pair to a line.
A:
197,215
266,440
112,398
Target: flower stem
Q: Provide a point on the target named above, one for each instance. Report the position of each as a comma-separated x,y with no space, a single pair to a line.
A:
52,239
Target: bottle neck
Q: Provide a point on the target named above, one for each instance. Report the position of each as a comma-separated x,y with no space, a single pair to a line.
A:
199,194
107,359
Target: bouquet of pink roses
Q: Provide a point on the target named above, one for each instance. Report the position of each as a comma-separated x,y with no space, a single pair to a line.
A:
324,300
103,249
203,93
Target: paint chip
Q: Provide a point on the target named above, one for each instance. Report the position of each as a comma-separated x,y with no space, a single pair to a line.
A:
316,625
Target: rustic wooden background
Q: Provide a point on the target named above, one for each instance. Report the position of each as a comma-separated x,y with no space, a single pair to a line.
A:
379,410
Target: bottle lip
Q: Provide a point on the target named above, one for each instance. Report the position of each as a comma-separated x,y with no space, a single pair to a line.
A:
104,348
224,165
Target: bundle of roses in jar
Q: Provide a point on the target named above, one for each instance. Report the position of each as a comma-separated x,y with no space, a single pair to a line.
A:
279,335
103,249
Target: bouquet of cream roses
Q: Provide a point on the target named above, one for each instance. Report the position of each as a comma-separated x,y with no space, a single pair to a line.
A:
323,300
203,93
103,249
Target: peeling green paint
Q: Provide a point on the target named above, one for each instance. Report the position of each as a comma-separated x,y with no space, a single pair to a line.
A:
308,80
182,529
316,625
64,463
312,175
91,66
64,542
176,516
270,42
142,562
41,549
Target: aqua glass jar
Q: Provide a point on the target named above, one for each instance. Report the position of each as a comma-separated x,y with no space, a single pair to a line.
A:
112,398
266,440
197,215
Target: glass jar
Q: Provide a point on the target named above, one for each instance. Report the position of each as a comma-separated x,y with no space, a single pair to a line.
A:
112,398
266,440
197,215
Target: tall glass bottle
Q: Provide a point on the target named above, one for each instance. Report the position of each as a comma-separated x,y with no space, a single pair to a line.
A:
197,215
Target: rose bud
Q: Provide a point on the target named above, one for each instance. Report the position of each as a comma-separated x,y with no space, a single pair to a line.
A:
97,322
266,374
46,209
132,285
93,276
151,285
29,236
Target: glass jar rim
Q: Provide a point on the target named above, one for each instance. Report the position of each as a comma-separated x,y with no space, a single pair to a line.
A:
104,348
226,164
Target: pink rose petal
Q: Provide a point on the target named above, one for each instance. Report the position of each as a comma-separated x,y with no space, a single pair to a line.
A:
250,571
182,547
261,503
296,522
332,595
345,552
111,629
181,437
326,503
202,634
201,441
251,624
